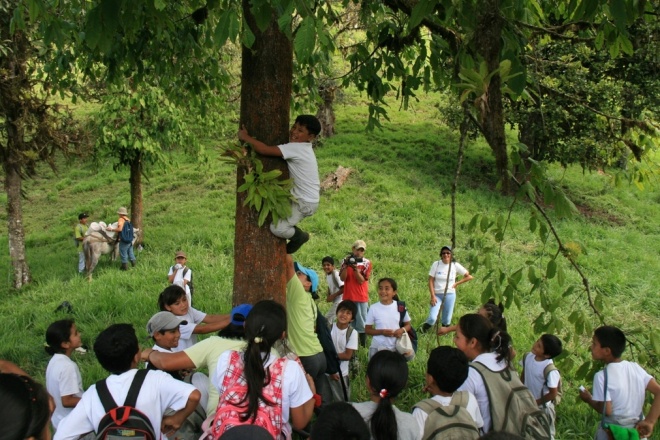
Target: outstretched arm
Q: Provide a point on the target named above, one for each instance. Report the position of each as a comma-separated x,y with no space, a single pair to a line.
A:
212,323
167,361
259,147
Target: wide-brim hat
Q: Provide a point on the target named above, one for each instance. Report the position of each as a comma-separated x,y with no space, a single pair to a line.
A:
164,321
122,211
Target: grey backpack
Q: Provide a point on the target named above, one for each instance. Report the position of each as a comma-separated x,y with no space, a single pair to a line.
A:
450,422
513,409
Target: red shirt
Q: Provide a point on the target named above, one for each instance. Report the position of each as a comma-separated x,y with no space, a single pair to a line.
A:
353,290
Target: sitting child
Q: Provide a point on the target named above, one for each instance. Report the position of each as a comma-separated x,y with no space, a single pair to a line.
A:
387,376
384,319
446,370
163,328
345,340
619,389
63,379
541,376
117,351
174,299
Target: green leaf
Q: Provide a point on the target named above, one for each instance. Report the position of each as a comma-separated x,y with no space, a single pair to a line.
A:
561,276
473,223
305,39
420,11
263,14
618,13
160,4
551,269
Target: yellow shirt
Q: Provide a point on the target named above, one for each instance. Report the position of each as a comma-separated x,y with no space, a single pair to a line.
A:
301,318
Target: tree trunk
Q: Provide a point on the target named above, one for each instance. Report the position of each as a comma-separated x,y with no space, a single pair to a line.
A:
489,43
13,184
135,180
267,74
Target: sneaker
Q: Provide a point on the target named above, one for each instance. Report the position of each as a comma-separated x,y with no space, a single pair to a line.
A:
299,238
424,328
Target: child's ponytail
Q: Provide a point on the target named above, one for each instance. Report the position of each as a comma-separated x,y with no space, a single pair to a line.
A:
388,375
500,344
264,326
58,333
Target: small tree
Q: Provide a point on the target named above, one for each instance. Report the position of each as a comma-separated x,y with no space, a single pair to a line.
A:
33,130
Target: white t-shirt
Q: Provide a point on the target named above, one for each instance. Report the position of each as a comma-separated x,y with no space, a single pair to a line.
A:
188,339
178,280
303,169
339,341
334,284
475,384
626,389
199,380
472,408
158,392
406,426
534,377
382,316
439,272
62,379
295,389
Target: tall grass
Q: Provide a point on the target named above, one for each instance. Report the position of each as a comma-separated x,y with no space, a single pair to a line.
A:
397,200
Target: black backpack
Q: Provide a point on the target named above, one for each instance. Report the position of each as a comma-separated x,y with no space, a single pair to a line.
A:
124,422
127,234
401,307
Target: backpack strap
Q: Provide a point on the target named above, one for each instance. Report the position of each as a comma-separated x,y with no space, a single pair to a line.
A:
131,398
401,307
460,398
185,271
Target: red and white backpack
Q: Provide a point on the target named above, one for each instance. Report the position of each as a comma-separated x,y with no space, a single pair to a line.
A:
234,389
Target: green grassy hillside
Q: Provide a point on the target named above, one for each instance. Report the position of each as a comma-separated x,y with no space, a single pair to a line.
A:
397,199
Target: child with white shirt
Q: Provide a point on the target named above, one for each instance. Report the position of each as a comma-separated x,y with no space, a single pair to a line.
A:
541,376
384,319
63,379
345,340
446,370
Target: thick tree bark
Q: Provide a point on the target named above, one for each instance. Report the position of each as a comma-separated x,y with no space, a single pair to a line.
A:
13,184
267,74
135,180
489,44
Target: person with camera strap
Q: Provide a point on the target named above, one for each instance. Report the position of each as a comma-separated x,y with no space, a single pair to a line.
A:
355,272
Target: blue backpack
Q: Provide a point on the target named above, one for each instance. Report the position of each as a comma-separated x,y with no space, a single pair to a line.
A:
127,234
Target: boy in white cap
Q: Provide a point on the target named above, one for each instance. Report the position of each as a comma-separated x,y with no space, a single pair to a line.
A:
163,328
181,275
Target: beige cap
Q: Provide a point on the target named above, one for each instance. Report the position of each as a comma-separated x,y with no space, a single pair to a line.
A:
122,211
360,244
180,254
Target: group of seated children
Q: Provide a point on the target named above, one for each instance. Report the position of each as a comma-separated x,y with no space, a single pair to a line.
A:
257,369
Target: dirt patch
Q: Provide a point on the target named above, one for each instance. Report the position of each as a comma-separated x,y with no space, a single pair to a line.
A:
599,215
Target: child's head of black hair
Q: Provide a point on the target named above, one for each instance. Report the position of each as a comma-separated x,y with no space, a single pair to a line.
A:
392,282
310,122
340,420
349,305
25,407
495,314
448,366
116,347
328,259
552,346
169,296
612,338
58,333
